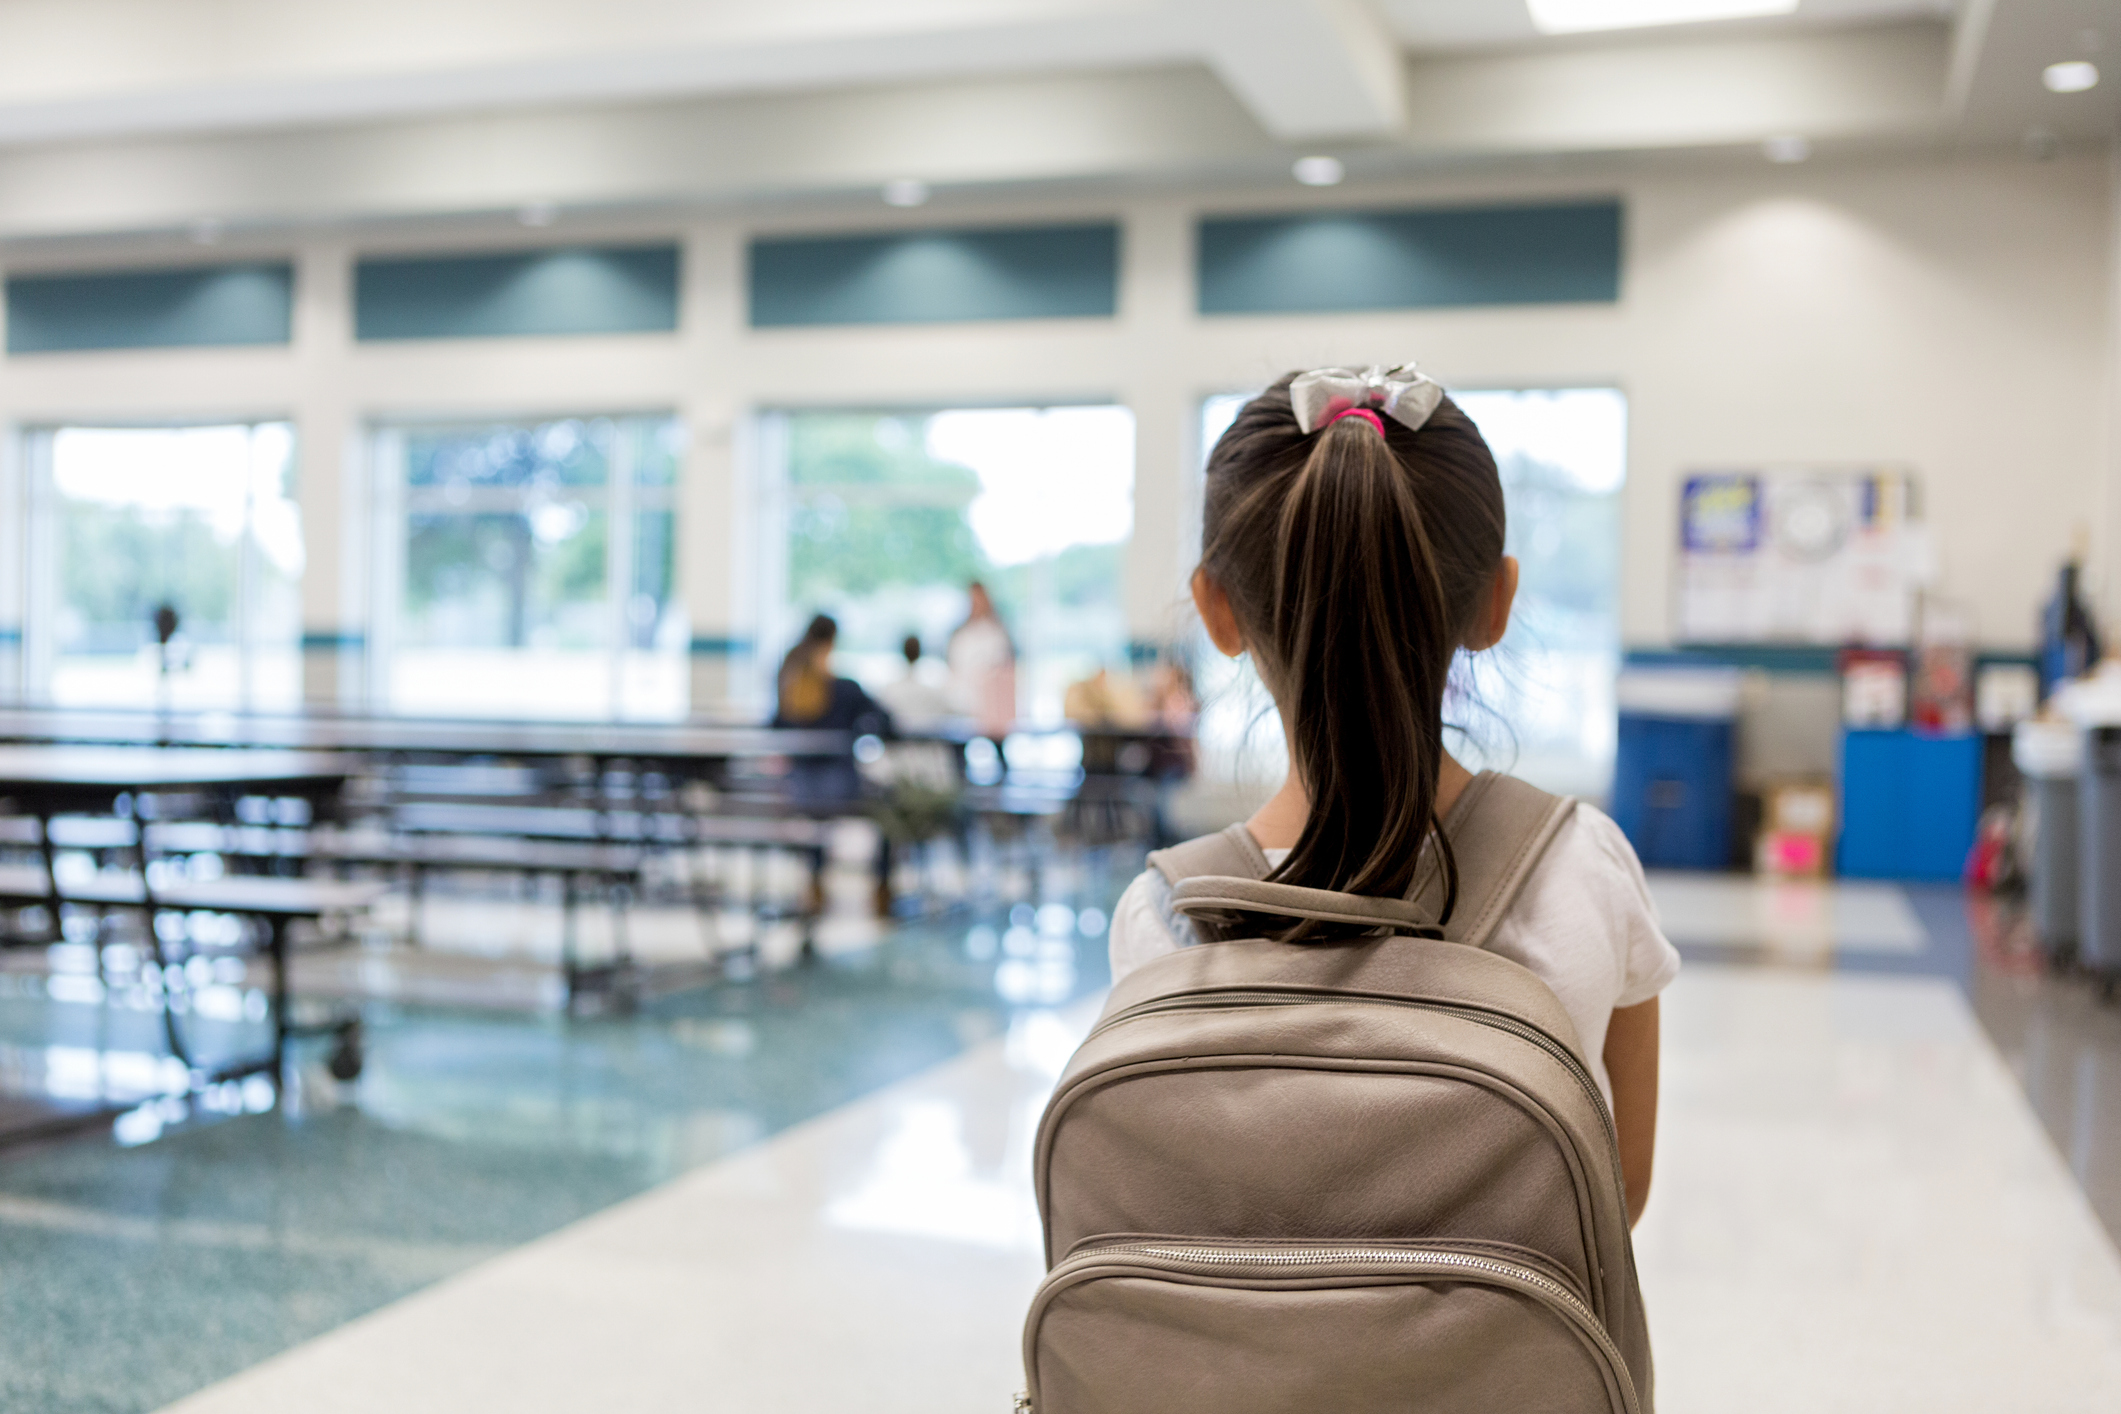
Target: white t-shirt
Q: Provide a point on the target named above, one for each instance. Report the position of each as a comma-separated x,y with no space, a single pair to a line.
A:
1584,925
915,704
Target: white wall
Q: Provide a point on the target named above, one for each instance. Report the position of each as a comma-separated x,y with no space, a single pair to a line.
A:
1954,315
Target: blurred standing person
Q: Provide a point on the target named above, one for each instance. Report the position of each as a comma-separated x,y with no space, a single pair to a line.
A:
983,666
916,704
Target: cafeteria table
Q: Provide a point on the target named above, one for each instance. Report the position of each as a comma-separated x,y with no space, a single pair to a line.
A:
46,781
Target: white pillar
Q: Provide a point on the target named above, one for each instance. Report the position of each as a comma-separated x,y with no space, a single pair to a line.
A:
330,487
1156,306
2104,568
717,520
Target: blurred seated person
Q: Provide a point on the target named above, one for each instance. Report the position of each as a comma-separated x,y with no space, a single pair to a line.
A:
1174,711
916,704
1171,701
1102,700
812,697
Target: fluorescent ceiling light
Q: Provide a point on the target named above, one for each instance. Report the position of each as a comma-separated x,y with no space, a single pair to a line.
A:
2070,76
1577,16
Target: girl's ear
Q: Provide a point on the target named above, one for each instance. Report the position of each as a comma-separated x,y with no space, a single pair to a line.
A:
1217,615
1490,627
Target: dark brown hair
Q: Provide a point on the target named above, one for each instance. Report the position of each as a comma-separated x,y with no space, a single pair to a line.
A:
1357,565
805,685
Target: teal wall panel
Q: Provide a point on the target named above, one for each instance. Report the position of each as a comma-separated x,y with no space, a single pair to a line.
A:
188,307
1344,261
593,290
931,277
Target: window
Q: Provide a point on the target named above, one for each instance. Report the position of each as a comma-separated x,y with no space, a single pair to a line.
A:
1563,458
507,594
1542,707
888,516
126,520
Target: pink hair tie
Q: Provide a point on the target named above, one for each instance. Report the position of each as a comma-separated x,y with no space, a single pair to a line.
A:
1364,413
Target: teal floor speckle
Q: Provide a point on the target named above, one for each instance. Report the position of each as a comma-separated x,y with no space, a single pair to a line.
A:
131,1275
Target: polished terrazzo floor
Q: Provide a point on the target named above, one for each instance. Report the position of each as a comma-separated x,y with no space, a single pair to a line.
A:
1884,1133
132,1273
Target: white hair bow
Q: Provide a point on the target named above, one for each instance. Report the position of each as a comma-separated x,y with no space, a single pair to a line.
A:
1404,394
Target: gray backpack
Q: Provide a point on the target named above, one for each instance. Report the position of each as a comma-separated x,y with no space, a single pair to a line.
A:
1350,1177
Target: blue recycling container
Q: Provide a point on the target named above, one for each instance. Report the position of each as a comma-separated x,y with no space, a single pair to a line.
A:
1910,804
1672,793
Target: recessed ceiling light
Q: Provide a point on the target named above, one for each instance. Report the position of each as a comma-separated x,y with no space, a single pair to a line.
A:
2070,76
1320,171
206,231
1787,148
1576,16
906,191
539,213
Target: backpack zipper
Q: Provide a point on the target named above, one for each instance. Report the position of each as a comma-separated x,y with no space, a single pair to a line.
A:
1170,1256
1269,997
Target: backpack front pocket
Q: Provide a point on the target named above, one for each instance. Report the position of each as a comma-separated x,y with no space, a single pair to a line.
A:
1207,1327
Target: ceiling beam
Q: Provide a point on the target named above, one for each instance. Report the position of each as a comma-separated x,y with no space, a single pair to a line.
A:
1679,93
1308,68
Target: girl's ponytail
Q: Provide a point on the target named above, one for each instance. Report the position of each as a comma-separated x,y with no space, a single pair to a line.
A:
1357,561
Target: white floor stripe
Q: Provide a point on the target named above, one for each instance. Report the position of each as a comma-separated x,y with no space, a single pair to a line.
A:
1793,918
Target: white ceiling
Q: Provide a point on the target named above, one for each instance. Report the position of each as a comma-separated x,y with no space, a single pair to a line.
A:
122,114
98,68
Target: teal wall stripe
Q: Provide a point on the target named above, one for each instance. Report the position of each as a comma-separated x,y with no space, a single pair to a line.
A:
587,290
943,276
1347,261
189,307
324,641
1772,657
719,647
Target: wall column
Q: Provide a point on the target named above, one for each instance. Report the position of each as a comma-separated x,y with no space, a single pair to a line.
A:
2103,570
331,486
14,552
717,511
1156,305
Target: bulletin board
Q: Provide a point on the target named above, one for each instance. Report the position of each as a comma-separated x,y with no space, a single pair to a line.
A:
1801,555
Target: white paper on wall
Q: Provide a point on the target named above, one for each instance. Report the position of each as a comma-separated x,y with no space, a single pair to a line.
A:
1827,556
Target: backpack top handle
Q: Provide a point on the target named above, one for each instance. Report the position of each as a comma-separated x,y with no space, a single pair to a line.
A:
1222,900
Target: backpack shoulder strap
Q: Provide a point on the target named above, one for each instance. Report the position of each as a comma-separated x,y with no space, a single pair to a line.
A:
1229,853
1499,830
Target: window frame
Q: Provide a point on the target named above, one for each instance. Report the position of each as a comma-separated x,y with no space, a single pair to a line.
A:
36,492
622,497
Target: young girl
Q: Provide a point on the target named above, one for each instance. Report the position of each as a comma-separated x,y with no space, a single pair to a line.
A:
1353,538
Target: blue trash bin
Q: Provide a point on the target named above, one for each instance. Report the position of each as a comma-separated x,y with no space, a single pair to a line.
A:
1910,803
1672,772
